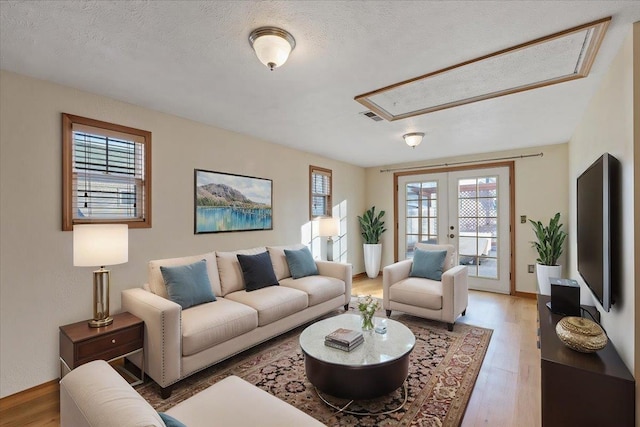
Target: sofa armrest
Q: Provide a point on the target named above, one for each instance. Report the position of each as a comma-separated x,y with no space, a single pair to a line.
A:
339,270
393,274
455,292
94,394
162,333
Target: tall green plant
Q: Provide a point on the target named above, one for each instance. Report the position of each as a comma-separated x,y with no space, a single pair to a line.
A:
372,226
550,240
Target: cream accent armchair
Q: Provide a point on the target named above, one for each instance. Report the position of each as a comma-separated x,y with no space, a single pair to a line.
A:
443,300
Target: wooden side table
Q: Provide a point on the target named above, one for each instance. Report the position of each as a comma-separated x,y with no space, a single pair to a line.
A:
80,343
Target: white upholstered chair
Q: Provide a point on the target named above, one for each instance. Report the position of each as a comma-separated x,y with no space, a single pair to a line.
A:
442,300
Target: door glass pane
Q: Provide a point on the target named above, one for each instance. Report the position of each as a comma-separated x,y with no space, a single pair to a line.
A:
421,213
478,225
411,240
413,190
412,226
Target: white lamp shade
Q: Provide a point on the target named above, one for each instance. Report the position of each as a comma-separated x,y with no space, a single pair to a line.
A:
100,244
271,49
328,227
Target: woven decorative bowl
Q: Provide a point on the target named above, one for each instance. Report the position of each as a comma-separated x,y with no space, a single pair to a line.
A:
581,334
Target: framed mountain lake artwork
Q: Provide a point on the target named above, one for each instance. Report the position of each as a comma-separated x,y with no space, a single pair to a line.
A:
226,202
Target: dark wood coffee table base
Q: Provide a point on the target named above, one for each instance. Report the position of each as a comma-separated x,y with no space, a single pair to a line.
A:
357,382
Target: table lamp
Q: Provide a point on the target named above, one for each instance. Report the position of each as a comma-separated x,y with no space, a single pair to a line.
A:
329,227
100,245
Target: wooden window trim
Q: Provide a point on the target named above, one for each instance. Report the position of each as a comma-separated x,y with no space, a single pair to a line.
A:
68,120
329,172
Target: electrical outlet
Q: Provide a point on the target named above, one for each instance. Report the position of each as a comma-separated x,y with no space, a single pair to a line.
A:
523,220
531,268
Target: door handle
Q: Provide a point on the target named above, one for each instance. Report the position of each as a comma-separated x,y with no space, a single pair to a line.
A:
452,235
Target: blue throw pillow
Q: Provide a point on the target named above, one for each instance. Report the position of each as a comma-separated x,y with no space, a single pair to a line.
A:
169,421
301,263
188,285
257,271
428,264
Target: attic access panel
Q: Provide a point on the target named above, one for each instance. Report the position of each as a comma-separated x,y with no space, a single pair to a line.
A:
556,58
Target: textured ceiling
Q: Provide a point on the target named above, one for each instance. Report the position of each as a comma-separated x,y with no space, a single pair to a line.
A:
192,59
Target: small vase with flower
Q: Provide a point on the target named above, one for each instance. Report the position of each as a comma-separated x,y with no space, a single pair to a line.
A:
367,305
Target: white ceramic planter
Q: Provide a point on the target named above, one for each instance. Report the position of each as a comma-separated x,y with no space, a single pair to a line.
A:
544,272
372,257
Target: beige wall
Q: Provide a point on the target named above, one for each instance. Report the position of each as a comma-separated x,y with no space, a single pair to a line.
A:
607,126
39,287
541,187
636,199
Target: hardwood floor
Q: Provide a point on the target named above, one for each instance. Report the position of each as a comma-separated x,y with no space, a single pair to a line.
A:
507,392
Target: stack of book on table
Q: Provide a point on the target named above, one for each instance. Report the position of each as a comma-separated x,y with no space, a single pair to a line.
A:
344,339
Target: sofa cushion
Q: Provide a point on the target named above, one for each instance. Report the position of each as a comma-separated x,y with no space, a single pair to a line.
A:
301,263
319,288
156,281
233,402
279,260
231,279
188,285
418,292
272,303
449,261
206,325
257,271
428,264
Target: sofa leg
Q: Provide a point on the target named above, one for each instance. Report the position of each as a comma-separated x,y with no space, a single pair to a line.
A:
388,313
165,392
346,307
464,313
450,326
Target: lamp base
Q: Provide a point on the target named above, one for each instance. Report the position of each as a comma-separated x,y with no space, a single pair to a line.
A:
99,323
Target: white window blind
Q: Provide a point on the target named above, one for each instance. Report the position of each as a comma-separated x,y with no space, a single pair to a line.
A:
108,174
320,193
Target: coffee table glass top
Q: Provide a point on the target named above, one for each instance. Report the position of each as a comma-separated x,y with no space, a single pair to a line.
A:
376,349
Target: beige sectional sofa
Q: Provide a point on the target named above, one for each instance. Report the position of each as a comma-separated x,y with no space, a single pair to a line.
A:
95,395
179,342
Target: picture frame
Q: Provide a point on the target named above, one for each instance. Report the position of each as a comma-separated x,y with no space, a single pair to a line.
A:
225,202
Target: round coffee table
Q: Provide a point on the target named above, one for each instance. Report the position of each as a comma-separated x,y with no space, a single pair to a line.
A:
377,367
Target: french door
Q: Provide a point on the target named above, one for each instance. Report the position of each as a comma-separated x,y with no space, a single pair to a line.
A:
468,209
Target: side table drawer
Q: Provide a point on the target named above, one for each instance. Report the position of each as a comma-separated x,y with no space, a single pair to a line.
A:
111,345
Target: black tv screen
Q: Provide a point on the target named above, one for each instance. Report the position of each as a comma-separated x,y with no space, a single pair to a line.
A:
597,220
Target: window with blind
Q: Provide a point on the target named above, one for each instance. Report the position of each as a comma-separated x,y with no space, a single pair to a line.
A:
106,173
320,192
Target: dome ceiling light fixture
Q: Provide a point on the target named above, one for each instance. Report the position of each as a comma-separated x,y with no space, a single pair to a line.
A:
413,139
272,45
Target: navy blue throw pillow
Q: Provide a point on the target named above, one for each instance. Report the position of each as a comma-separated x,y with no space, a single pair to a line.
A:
257,271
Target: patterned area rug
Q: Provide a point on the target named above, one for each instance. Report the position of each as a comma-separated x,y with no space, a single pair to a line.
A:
443,368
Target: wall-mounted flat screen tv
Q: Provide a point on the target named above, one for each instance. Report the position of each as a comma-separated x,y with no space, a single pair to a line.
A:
597,227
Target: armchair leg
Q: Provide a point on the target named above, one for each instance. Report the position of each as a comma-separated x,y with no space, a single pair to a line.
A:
464,313
450,326
346,307
388,313
165,392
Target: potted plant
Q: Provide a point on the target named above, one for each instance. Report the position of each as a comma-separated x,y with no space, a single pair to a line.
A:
371,228
549,243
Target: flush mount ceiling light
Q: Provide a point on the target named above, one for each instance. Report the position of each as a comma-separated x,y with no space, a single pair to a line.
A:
413,139
272,45
556,58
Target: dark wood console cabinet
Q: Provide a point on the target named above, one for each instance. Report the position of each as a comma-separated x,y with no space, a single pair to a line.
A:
582,389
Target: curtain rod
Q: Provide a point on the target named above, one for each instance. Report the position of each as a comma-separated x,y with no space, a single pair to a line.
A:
523,156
